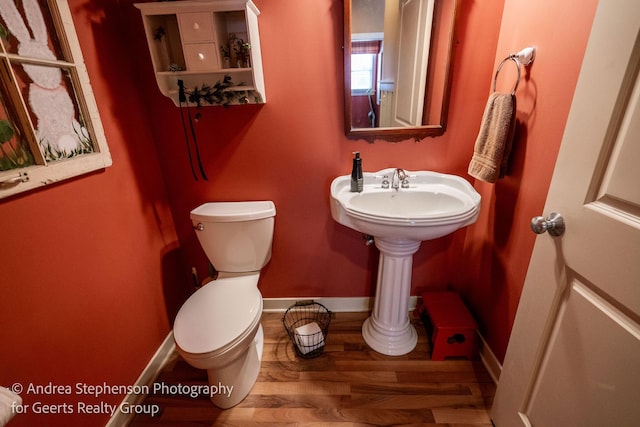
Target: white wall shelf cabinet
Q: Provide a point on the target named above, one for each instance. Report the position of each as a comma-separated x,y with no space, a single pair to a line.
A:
211,46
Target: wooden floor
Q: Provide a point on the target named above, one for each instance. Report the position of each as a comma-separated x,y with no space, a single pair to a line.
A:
348,385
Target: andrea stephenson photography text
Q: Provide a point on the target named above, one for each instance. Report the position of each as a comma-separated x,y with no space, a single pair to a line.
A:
86,398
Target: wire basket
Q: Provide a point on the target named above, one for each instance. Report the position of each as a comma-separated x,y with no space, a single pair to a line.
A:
307,324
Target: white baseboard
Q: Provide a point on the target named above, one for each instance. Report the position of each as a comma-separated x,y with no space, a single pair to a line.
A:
337,305
489,359
146,379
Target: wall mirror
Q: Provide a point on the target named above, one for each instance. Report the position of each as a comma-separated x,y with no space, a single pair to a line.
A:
397,67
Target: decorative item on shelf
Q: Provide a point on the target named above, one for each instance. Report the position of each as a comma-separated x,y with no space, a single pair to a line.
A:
160,35
242,53
241,49
218,94
200,43
226,56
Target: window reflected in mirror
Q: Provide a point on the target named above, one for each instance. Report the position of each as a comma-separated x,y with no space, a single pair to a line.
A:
397,67
366,58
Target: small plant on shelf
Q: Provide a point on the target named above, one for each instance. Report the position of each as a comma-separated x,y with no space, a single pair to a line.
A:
241,50
236,53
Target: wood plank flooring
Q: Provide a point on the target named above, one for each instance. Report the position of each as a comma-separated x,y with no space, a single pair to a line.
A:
348,385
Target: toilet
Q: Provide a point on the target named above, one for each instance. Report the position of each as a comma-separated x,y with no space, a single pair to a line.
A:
218,328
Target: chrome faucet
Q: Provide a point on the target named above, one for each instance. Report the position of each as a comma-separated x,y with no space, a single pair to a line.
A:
399,179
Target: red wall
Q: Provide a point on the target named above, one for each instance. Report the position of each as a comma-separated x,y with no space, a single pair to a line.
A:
498,247
90,267
290,149
95,268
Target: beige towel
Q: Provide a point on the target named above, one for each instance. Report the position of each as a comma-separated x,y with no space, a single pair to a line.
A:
493,145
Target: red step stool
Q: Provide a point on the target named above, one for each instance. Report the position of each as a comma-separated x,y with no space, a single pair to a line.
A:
453,329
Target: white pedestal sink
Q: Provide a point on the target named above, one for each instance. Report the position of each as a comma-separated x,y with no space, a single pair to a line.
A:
432,205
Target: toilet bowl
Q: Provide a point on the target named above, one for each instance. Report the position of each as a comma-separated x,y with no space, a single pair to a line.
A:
218,328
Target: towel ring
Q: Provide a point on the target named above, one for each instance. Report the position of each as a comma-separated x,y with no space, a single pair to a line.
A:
513,58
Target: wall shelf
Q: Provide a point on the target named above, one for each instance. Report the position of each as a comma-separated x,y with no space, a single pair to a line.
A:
204,43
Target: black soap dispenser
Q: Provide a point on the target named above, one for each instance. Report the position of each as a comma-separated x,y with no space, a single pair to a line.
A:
357,180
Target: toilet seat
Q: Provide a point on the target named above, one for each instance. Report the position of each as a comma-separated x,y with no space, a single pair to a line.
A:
218,315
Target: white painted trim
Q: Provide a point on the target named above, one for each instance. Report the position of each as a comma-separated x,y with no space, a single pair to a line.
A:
146,378
489,359
337,305
367,36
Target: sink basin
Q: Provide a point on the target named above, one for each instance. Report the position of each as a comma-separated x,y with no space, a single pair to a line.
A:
431,206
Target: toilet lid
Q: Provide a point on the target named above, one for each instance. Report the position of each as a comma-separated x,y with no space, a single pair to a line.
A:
233,211
217,314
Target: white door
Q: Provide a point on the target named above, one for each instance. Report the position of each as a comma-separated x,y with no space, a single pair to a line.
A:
574,355
414,41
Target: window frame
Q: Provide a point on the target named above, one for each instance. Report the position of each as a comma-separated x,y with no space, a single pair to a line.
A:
371,71
368,43
19,180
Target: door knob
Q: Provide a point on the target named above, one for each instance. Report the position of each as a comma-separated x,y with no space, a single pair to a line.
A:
554,224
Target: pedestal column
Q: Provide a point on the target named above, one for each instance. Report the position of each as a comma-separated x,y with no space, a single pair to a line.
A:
388,330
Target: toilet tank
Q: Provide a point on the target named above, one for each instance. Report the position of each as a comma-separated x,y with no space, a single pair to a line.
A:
235,236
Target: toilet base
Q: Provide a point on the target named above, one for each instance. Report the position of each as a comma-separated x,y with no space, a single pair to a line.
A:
230,384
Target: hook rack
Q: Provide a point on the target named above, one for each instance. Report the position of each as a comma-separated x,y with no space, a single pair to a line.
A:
524,57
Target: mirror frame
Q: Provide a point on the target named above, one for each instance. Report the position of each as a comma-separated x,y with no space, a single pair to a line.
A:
399,133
